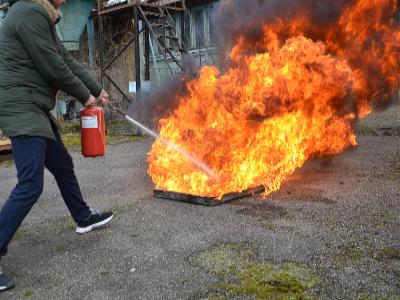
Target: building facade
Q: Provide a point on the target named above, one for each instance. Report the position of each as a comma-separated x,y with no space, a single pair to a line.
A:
200,38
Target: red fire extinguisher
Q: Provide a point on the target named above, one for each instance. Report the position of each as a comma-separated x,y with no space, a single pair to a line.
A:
93,132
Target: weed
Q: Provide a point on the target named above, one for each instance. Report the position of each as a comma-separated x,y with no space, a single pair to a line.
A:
395,174
104,274
28,293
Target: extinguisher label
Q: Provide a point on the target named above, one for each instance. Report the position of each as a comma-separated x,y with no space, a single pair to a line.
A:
90,122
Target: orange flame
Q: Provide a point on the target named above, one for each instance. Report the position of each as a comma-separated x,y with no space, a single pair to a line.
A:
269,112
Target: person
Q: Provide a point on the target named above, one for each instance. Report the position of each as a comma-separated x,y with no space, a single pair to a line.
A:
34,65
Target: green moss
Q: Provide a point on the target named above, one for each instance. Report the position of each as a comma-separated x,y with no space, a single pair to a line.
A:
120,138
356,256
104,274
7,163
266,281
118,132
21,234
385,253
243,276
117,124
350,255
332,223
270,226
62,224
70,127
387,216
289,216
28,293
111,125
395,173
73,141
225,259
377,297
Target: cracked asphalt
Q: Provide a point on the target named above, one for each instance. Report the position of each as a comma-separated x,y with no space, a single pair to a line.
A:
340,218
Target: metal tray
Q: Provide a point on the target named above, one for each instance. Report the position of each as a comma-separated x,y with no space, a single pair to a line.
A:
207,201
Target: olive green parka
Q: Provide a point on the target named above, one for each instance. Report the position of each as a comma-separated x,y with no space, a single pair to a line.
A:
34,65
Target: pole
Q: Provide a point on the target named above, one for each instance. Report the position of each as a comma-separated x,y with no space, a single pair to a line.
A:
101,46
147,53
91,41
137,48
137,61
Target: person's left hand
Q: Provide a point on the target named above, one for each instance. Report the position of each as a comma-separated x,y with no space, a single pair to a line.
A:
104,98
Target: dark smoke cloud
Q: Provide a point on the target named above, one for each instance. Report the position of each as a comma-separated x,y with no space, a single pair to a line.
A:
236,18
246,19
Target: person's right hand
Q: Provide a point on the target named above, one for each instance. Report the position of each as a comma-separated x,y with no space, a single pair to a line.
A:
104,97
91,101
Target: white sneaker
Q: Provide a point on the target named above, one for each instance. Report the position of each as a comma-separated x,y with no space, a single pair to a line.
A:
97,219
6,283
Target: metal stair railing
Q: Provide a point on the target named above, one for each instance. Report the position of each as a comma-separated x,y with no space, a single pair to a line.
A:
170,18
165,21
158,42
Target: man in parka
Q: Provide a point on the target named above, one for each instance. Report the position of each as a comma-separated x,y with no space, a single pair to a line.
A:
34,65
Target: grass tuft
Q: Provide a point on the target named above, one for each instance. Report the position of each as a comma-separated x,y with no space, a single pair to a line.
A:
28,293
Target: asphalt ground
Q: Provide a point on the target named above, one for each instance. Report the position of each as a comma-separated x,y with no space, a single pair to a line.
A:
336,224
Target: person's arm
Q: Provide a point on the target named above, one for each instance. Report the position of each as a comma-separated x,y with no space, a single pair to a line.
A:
34,31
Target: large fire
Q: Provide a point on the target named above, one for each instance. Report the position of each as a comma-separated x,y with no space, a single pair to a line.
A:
288,97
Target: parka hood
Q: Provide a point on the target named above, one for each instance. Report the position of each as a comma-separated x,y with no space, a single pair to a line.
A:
53,13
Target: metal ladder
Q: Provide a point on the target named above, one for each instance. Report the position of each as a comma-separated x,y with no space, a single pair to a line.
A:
158,17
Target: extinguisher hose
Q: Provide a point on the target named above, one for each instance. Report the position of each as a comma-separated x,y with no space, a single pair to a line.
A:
144,128
193,159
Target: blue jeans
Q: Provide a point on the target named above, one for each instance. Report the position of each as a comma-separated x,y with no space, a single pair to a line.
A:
31,155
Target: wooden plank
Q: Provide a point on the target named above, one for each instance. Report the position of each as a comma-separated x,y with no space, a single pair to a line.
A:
5,145
207,201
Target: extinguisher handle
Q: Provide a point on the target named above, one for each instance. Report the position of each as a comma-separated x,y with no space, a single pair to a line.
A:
112,107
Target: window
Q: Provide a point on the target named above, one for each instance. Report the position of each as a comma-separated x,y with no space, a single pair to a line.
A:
188,28
199,28
200,31
212,34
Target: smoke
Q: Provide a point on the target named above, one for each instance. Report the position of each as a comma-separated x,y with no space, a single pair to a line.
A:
237,18
369,43
151,107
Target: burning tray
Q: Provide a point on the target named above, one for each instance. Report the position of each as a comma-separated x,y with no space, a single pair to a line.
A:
207,201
